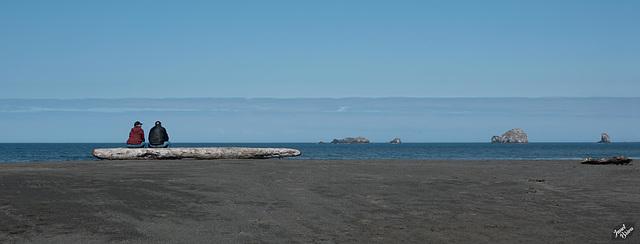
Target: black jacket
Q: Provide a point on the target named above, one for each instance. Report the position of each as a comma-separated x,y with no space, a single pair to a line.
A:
158,135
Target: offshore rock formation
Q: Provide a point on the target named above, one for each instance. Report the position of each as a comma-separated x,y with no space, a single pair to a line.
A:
351,140
604,138
193,152
396,141
511,136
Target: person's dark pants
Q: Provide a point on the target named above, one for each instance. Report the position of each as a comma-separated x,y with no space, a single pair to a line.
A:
163,145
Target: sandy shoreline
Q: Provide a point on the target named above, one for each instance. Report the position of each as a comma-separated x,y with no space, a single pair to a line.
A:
321,201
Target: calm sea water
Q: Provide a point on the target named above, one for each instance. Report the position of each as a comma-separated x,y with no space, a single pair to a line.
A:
26,152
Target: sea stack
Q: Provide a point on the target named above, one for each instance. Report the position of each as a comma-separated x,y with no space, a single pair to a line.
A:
351,140
604,138
515,136
396,141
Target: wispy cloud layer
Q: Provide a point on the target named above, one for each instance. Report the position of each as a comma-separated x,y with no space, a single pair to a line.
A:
309,120
441,106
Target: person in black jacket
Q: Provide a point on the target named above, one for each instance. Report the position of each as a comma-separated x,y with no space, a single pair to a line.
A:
158,136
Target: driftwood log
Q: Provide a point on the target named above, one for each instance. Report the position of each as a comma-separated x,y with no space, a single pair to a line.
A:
614,160
193,152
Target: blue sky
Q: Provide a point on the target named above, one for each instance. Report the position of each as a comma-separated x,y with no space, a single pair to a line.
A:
288,49
562,53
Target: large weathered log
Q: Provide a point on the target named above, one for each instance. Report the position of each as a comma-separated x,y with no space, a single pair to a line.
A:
614,160
194,152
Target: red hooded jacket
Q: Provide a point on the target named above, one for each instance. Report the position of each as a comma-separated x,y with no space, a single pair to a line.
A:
136,136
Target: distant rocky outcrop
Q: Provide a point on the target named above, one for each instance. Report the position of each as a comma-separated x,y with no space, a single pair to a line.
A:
351,140
396,141
511,136
604,138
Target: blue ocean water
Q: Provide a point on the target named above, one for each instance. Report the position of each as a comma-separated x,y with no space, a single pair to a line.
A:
26,152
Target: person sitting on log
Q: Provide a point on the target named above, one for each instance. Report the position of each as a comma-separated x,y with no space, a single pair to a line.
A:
158,136
136,136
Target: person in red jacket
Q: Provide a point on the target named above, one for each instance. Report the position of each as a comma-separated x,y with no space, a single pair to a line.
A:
136,136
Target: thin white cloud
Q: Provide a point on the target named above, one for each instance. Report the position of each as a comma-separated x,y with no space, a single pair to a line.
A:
342,109
563,107
108,110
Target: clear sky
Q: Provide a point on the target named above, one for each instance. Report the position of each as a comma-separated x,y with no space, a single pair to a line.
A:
285,49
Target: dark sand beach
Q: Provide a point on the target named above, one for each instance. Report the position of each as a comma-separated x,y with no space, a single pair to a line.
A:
316,201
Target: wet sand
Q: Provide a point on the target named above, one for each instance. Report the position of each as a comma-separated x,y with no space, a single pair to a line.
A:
316,201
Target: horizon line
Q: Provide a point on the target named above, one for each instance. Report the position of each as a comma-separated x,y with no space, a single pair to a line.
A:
350,97
595,142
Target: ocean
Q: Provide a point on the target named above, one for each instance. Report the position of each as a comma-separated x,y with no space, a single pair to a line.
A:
29,152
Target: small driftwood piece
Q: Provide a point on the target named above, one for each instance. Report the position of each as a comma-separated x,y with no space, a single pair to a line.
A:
614,160
193,152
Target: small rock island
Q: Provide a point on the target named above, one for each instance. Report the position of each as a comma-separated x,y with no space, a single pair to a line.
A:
514,136
351,140
395,141
604,139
